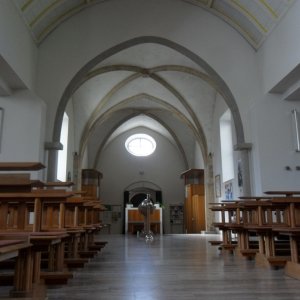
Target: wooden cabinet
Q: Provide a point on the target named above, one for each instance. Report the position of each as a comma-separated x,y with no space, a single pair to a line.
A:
194,205
90,182
198,213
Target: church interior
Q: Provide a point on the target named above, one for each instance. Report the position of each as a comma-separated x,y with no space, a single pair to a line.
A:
149,139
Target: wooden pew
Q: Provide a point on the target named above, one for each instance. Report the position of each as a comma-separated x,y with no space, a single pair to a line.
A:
237,216
275,219
21,166
46,237
85,221
76,232
290,201
29,207
90,184
80,216
226,217
259,218
34,199
251,219
76,216
21,215
21,250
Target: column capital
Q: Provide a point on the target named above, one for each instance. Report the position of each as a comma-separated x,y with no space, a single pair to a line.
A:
242,147
53,146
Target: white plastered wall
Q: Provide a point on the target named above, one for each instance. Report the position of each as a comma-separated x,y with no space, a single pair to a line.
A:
16,45
198,158
24,120
23,129
270,119
273,145
280,52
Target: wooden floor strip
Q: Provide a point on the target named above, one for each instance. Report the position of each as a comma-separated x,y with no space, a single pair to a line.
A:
173,267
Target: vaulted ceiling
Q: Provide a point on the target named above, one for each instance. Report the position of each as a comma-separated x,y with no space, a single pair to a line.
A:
150,86
253,19
157,88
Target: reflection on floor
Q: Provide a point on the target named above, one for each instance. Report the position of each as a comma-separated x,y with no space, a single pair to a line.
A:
173,267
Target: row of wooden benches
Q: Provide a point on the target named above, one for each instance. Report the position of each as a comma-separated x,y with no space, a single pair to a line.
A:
45,230
266,228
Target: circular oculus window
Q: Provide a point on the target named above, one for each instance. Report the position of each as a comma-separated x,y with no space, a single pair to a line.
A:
140,144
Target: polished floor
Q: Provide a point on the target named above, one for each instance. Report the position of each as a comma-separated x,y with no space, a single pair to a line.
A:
173,267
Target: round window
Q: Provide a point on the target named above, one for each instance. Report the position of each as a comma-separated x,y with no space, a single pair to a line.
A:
140,144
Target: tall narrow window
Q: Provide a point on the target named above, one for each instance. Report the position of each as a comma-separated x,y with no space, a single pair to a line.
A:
62,154
226,146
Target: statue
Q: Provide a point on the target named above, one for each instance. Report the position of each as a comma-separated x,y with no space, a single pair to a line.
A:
146,208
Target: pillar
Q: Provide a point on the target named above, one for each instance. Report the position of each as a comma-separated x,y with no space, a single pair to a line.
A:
76,171
52,148
209,192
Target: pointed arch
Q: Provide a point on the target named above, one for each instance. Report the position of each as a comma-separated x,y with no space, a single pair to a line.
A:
134,114
197,134
80,76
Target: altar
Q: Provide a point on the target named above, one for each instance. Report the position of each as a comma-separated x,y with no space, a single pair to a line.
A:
134,220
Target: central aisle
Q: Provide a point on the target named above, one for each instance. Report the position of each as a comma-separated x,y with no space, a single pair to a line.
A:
173,267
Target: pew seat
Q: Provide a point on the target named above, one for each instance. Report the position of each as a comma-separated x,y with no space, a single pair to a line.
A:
21,250
87,254
249,253
50,243
73,263
230,247
215,243
53,278
278,261
101,243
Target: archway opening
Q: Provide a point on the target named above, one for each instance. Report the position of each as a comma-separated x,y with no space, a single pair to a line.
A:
216,81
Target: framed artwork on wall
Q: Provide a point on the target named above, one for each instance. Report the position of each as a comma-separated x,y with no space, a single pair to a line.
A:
218,185
240,176
228,186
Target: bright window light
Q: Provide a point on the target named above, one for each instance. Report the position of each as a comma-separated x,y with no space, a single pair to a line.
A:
226,146
62,154
140,144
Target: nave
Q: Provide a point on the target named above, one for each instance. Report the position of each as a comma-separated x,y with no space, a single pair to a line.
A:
173,267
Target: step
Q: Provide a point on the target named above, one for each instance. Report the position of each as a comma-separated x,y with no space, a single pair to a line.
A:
51,278
278,261
100,243
87,254
95,247
75,262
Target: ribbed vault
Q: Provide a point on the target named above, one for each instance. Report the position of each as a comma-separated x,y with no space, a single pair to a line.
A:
179,95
